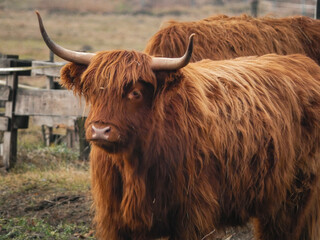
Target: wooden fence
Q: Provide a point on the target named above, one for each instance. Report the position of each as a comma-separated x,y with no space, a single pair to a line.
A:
47,107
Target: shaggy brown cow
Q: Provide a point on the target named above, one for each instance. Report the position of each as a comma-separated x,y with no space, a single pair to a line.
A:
179,151
221,37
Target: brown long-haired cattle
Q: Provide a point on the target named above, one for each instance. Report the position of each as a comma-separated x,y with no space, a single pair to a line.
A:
208,146
180,151
222,37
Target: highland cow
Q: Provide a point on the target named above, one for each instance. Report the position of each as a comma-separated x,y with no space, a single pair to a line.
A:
180,149
222,37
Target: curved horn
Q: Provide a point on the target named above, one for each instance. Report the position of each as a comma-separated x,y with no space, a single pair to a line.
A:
71,56
170,64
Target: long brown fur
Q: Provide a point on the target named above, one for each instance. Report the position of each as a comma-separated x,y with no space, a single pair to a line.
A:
222,37
215,144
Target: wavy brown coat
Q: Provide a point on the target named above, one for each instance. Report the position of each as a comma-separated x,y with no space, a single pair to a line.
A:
222,37
212,145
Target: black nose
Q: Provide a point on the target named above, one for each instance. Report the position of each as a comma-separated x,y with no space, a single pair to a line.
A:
106,133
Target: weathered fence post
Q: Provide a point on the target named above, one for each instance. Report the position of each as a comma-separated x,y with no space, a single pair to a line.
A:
254,8
318,9
84,146
10,136
4,121
47,131
11,123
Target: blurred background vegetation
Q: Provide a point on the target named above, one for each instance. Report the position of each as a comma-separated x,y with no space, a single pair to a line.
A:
97,25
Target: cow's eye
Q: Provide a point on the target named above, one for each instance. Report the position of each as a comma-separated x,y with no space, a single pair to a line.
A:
134,94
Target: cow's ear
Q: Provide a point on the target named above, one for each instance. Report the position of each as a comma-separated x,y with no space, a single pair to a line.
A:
169,80
71,76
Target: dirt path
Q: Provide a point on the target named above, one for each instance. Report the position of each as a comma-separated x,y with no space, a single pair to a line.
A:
75,208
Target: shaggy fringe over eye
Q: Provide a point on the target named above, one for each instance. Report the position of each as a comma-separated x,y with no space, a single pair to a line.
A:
110,73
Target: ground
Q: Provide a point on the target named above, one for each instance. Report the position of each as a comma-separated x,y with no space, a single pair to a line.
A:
47,196
51,209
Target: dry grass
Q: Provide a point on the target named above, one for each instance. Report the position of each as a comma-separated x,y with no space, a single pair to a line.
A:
79,24
98,31
19,33
69,179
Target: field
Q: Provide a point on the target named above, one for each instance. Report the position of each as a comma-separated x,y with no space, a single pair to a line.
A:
19,31
47,194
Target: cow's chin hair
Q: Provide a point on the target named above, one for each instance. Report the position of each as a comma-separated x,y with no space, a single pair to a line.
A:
110,147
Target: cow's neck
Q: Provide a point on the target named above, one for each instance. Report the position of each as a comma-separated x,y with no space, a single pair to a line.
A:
135,206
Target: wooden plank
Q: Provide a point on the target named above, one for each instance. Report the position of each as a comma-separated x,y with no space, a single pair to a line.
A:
45,102
8,109
49,138
51,72
52,121
12,82
2,56
10,137
4,93
4,121
4,63
10,148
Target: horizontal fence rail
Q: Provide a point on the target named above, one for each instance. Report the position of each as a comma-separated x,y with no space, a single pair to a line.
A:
44,102
47,107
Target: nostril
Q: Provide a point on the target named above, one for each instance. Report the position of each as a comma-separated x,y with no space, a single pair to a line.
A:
101,133
107,129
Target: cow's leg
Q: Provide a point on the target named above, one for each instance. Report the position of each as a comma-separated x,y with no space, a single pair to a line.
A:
298,218
311,229
270,229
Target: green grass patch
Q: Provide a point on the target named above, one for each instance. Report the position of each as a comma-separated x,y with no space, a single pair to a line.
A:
25,228
39,158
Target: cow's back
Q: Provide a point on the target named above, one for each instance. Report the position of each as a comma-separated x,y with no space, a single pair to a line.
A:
221,37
